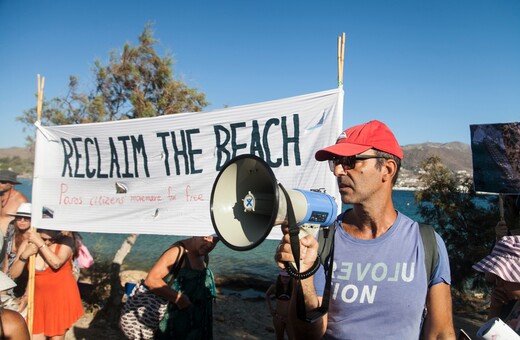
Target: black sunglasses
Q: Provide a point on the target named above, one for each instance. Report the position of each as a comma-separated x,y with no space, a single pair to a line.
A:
21,218
349,162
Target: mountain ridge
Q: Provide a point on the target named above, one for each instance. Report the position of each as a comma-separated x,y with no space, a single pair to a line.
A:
454,155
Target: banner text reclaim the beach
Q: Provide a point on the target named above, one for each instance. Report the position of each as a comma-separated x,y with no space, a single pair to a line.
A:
127,156
155,175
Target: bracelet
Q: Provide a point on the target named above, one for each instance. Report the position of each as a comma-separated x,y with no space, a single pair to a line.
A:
22,259
178,297
43,245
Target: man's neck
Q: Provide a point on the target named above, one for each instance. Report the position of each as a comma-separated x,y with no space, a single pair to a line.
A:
365,224
6,195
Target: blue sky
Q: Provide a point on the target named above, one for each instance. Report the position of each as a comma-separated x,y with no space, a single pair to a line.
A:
428,69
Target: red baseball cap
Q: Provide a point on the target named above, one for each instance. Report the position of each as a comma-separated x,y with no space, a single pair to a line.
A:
360,138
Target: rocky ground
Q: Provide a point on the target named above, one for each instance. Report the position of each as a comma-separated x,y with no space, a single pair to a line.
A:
245,316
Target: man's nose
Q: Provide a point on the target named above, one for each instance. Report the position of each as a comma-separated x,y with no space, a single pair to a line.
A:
339,170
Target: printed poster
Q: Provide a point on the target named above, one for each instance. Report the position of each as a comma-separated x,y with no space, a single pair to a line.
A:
496,157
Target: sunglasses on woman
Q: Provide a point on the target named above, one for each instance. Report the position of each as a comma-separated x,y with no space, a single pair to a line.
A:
22,218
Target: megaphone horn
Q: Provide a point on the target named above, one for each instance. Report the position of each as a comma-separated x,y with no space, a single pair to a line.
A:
246,202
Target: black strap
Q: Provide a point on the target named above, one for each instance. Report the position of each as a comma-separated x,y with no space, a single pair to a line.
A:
316,314
294,232
178,262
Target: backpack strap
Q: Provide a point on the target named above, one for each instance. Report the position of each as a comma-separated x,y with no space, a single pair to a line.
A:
431,256
431,253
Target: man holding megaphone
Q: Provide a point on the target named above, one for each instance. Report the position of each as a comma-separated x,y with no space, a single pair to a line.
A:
379,288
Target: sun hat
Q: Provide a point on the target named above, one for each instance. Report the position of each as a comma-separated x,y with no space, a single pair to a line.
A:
504,260
24,210
8,176
360,138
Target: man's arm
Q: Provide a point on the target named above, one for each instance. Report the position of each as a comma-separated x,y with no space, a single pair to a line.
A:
302,329
439,319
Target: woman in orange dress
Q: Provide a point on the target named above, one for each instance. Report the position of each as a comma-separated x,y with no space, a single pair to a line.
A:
57,303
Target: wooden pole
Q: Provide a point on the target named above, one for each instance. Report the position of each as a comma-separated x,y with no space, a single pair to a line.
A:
41,84
341,58
30,283
501,207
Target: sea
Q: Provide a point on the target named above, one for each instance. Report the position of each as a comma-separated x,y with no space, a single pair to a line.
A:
257,263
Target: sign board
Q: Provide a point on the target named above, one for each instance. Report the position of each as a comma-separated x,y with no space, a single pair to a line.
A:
155,175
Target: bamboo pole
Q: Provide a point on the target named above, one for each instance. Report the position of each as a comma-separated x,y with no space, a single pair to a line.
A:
41,84
341,58
30,283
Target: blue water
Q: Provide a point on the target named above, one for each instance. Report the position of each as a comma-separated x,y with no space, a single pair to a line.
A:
257,263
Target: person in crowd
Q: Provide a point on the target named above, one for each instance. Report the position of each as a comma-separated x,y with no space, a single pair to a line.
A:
509,224
281,290
16,234
502,267
12,324
501,230
57,303
191,294
10,198
379,287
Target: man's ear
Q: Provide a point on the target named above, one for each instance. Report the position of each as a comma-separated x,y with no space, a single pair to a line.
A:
389,169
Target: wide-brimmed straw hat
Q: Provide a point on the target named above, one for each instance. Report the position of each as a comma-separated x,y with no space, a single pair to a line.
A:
24,210
504,260
8,176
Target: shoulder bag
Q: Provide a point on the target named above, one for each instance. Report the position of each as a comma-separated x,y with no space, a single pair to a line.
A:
142,312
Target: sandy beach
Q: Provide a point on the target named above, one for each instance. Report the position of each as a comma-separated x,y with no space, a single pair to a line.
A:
243,314
234,318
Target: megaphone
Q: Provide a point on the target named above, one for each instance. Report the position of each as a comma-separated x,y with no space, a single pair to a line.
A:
247,201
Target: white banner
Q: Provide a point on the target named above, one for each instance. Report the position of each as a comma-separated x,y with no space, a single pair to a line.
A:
155,175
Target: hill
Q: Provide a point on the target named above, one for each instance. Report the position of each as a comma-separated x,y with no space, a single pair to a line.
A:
19,160
22,153
456,156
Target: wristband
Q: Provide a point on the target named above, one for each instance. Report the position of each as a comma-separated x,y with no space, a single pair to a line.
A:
22,259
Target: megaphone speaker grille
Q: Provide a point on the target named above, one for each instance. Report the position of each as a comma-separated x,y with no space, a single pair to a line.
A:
244,225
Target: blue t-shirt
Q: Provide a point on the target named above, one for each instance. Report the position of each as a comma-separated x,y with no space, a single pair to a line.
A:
379,286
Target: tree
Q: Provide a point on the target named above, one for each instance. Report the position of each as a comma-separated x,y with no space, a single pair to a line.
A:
135,83
464,219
